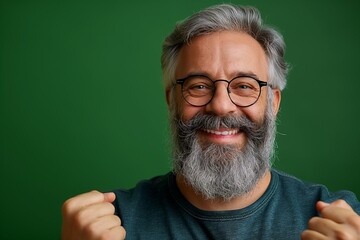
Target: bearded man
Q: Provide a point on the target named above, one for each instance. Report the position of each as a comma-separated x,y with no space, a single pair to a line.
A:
223,72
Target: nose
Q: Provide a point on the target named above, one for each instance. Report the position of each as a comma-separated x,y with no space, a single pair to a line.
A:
221,104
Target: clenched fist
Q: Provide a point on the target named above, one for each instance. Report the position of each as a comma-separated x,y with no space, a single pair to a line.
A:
337,221
90,216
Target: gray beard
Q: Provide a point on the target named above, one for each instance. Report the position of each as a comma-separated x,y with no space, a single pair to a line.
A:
223,171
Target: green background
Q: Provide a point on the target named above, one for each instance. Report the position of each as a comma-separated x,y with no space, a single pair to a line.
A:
82,105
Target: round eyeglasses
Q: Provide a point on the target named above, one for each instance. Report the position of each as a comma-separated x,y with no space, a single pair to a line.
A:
198,90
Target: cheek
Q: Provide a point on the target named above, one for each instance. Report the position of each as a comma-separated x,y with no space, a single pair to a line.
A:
185,110
189,113
256,112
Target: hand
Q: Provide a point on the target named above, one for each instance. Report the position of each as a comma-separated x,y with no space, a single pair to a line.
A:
338,221
91,216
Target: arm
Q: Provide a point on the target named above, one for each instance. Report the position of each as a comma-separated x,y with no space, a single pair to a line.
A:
90,216
338,221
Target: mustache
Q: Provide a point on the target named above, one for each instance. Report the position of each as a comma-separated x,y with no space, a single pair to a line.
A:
254,131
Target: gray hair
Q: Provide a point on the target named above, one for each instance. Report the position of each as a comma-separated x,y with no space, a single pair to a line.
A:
226,17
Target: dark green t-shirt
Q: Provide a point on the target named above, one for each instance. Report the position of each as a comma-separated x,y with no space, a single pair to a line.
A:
155,209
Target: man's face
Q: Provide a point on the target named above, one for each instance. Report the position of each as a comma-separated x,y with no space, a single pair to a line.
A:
223,55
222,150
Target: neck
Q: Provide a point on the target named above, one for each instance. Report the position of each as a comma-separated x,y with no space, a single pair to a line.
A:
202,203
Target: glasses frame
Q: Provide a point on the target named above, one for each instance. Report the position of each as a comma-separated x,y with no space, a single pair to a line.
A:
181,81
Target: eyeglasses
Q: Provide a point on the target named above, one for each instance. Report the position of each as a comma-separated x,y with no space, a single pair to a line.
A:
198,90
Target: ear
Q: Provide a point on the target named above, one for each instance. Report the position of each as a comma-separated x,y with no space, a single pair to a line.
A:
168,94
276,100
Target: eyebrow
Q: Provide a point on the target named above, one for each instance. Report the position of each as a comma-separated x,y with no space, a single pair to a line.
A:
247,73
235,74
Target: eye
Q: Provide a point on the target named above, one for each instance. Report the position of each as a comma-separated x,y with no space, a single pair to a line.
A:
198,87
243,86
198,84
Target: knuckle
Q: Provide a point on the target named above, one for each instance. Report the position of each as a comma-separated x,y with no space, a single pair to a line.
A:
341,203
90,230
342,235
106,235
67,206
118,233
305,234
121,233
354,222
313,221
110,206
80,217
95,192
118,220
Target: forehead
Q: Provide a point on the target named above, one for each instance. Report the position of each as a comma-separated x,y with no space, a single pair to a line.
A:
222,55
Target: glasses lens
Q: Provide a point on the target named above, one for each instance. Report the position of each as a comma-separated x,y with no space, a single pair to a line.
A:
198,90
244,91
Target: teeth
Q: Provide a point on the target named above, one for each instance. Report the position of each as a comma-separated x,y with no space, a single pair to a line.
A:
224,133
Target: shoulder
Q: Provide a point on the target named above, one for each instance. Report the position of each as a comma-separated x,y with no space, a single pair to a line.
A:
146,187
145,206
293,187
145,192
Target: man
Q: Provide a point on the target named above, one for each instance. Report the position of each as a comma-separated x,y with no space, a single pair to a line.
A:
223,72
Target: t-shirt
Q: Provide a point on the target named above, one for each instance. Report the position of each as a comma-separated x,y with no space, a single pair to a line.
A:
155,209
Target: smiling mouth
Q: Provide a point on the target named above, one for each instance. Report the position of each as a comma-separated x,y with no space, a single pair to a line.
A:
222,133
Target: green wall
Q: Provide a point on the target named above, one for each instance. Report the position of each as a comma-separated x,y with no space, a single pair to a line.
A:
82,105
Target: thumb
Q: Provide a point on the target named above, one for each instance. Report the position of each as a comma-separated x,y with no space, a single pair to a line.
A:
109,197
320,205
341,203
